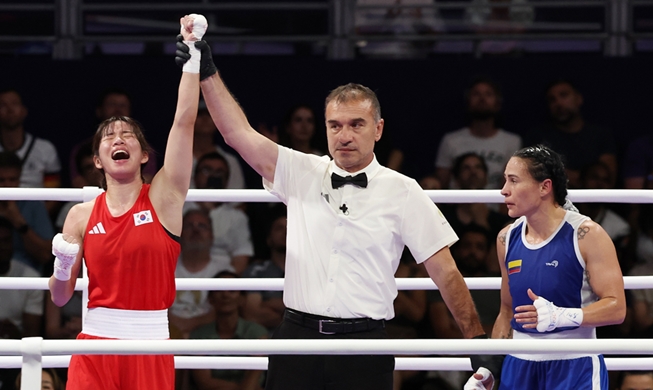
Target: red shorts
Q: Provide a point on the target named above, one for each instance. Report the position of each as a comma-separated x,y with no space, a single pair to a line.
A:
120,372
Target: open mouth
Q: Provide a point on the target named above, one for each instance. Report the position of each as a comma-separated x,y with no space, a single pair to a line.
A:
120,155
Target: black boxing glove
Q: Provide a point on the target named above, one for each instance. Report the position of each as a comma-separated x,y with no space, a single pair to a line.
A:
491,362
182,54
207,67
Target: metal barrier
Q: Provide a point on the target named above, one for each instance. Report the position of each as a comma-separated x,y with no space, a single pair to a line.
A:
337,29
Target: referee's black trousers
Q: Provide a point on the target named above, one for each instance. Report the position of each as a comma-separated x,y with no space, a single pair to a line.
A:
328,372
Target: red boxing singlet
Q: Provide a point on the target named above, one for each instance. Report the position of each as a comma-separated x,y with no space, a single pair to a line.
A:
131,259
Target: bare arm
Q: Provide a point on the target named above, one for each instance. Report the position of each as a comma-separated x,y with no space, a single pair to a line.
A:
502,328
442,269
170,185
74,226
256,149
604,275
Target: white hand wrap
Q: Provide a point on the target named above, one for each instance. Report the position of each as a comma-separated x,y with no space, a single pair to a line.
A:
549,316
199,28
65,254
476,384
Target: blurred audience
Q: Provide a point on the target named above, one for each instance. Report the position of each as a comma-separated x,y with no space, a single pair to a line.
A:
228,324
266,307
112,102
482,136
33,230
580,143
232,244
191,308
49,380
204,143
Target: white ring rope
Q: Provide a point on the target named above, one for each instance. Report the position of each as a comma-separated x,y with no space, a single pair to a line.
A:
335,347
276,284
261,363
439,196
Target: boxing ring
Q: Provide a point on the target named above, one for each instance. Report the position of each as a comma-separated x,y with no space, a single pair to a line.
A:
33,353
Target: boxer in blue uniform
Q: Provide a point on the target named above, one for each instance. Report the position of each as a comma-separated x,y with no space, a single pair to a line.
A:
560,278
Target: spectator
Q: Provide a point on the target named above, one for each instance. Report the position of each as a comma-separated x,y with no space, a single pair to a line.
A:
597,176
299,130
470,173
191,308
32,227
482,136
39,159
49,380
41,167
204,143
266,307
21,310
635,380
232,244
112,102
470,254
579,142
641,304
228,325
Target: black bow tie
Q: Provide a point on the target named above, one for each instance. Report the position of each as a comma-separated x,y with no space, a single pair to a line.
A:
338,181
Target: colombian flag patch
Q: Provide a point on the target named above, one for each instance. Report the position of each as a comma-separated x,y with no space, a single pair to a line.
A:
514,266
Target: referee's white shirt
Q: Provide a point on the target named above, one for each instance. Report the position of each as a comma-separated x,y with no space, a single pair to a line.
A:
342,263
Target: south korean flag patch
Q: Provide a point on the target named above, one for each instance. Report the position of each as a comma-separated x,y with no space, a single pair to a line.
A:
143,217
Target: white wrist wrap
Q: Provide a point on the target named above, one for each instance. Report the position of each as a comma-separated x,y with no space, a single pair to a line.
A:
199,28
193,64
476,384
65,254
550,317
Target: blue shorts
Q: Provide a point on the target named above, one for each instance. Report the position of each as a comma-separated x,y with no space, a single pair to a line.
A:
585,373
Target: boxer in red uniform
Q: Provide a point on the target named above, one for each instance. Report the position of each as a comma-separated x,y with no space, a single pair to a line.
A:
129,238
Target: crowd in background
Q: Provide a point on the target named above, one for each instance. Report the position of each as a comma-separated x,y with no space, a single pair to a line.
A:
247,240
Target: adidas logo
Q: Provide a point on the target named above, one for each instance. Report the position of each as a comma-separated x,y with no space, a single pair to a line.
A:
97,229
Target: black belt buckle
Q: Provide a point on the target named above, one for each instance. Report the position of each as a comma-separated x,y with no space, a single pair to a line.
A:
320,322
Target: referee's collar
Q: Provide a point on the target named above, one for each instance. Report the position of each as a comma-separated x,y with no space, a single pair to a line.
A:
370,170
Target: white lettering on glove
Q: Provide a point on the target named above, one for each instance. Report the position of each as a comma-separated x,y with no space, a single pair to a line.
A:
65,253
550,317
477,384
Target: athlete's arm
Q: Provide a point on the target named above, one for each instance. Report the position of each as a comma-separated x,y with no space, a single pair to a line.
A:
502,328
62,290
256,149
604,274
170,185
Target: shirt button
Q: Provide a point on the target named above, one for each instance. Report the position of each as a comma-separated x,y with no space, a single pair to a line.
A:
331,280
335,251
339,223
328,309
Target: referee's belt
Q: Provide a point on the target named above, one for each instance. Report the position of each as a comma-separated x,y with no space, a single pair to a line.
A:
328,325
